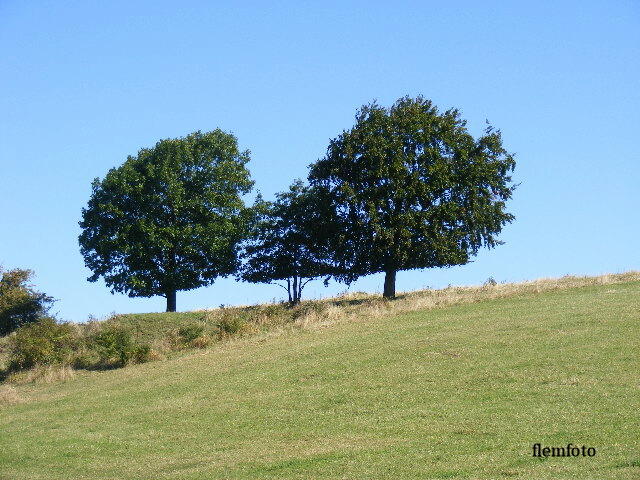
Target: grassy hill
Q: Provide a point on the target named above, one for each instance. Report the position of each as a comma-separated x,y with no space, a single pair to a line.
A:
457,383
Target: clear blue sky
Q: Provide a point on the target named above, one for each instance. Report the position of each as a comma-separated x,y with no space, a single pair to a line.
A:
84,84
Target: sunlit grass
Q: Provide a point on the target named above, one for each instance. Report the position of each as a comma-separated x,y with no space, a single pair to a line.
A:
457,383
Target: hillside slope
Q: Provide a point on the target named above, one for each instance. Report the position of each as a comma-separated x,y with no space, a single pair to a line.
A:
456,392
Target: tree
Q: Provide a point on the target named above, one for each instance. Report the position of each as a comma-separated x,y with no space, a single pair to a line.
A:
169,219
20,304
284,246
411,188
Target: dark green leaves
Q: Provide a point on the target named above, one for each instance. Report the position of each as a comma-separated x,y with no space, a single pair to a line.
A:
20,304
411,188
287,244
170,218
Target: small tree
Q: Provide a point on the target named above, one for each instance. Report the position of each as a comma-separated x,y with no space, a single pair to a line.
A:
284,246
20,304
410,188
171,218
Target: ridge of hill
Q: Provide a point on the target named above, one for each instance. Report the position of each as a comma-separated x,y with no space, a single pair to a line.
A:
274,317
453,383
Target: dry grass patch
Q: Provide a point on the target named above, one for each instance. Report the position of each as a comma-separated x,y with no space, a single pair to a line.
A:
42,375
428,299
9,396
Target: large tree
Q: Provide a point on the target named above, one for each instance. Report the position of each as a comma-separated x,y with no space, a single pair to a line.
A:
284,249
170,218
411,188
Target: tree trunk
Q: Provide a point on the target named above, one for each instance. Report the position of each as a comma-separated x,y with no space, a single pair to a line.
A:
171,301
296,296
389,284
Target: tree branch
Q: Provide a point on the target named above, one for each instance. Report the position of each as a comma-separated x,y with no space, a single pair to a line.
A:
303,284
281,286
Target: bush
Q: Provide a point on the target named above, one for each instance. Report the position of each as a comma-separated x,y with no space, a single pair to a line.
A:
201,342
115,347
231,325
191,336
141,354
307,308
20,304
42,343
85,359
190,332
274,310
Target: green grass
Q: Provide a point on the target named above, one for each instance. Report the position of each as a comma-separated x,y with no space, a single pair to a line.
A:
148,327
457,392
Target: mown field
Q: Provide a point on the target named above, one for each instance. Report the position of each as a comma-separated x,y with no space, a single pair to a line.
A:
462,391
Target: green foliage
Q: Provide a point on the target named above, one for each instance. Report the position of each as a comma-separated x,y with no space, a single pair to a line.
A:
284,246
273,310
231,325
410,188
44,342
20,304
308,308
189,333
116,347
141,353
86,358
169,219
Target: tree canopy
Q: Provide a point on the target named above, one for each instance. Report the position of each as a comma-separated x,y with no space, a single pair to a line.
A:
285,244
20,303
170,218
411,188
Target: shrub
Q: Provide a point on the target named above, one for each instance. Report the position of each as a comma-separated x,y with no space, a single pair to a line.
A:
189,333
20,304
307,308
274,310
141,354
42,343
115,347
192,336
231,325
201,342
85,359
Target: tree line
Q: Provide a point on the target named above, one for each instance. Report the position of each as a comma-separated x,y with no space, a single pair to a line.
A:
406,187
